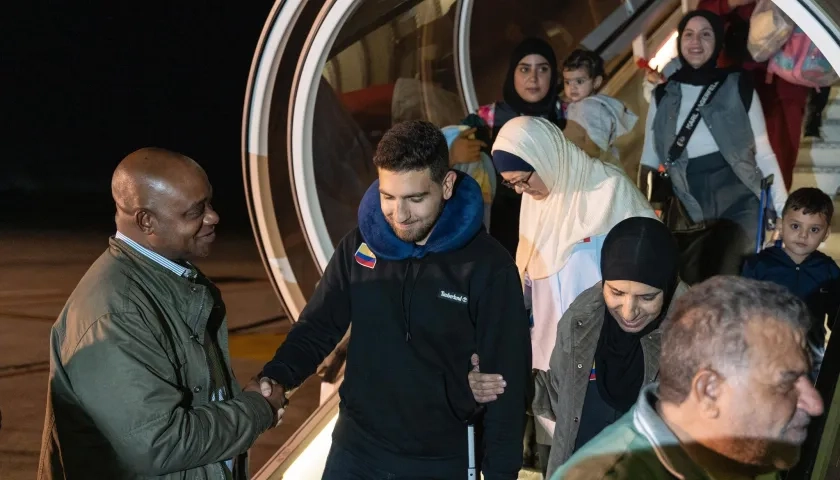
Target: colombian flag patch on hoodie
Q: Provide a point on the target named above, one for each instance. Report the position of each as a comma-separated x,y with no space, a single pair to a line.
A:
365,257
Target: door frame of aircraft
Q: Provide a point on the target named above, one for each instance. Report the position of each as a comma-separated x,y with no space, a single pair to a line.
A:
299,30
262,139
322,35
312,26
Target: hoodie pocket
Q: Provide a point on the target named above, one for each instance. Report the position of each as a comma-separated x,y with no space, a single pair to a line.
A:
459,399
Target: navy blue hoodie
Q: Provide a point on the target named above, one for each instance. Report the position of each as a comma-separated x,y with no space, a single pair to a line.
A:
418,314
816,281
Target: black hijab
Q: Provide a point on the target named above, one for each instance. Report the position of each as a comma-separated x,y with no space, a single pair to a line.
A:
708,73
545,107
638,249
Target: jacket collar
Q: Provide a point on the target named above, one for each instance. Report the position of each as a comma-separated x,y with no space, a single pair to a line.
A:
175,284
588,311
666,445
459,222
589,314
164,262
125,250
816,259
649,424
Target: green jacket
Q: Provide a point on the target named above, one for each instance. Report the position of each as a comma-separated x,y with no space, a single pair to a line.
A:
129,380
638,446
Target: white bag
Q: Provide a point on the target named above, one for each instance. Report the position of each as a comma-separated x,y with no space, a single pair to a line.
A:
770,28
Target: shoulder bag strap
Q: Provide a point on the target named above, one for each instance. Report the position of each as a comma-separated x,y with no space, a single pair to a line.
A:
690,124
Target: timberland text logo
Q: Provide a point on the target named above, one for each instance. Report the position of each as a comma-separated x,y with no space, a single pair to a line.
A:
454,297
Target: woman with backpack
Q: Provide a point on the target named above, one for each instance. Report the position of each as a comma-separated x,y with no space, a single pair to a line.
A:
783,102
706,136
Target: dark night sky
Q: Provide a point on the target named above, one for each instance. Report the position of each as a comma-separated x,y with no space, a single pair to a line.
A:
85,83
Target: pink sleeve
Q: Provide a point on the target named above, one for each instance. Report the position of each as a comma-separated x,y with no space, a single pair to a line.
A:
488,114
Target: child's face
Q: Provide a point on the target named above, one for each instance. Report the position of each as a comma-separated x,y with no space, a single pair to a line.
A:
802,234
577,84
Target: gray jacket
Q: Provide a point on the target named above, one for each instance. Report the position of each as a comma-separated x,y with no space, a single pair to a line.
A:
729,123
561,397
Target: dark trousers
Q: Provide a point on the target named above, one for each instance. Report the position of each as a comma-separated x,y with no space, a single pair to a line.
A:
816,104
731,210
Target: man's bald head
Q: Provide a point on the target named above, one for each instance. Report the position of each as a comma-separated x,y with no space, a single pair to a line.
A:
148,173
163,202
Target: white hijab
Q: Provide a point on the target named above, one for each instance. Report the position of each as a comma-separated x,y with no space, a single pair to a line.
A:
586,197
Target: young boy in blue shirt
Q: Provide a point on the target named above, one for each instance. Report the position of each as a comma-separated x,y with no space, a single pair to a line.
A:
794,262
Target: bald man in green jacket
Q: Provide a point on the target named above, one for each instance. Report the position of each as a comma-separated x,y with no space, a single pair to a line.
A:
140,379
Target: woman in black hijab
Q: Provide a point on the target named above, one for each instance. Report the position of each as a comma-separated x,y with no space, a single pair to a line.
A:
707,71
530,88
639,267
608,341
525,92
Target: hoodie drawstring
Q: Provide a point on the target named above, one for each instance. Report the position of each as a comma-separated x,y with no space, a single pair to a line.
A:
407,308
402,302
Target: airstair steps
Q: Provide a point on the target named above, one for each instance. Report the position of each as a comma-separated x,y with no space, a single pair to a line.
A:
818,164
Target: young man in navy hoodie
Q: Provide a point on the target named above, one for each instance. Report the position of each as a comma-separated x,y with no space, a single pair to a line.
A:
795,262
424,287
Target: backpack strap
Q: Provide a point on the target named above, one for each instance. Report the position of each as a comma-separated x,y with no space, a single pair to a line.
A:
746,87
659,92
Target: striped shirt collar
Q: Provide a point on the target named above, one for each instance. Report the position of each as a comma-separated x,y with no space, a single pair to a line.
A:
159,259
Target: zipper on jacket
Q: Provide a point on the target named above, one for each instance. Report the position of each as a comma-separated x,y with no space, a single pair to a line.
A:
203,349
194,336
222,471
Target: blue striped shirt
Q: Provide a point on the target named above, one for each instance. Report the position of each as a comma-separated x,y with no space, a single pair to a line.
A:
157,258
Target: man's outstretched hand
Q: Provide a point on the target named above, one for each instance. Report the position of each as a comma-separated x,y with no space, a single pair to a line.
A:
274,393
486,387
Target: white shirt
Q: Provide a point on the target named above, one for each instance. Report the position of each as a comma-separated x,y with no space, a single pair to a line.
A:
703,143
550,298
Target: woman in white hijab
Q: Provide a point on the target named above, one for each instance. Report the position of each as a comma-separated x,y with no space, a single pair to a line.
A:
570,202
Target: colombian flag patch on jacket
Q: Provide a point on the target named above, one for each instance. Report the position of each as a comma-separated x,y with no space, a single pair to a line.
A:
365,257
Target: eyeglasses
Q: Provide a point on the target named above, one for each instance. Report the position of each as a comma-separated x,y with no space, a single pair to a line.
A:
518,183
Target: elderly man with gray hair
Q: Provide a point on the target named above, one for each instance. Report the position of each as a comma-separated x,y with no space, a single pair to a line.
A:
733,400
